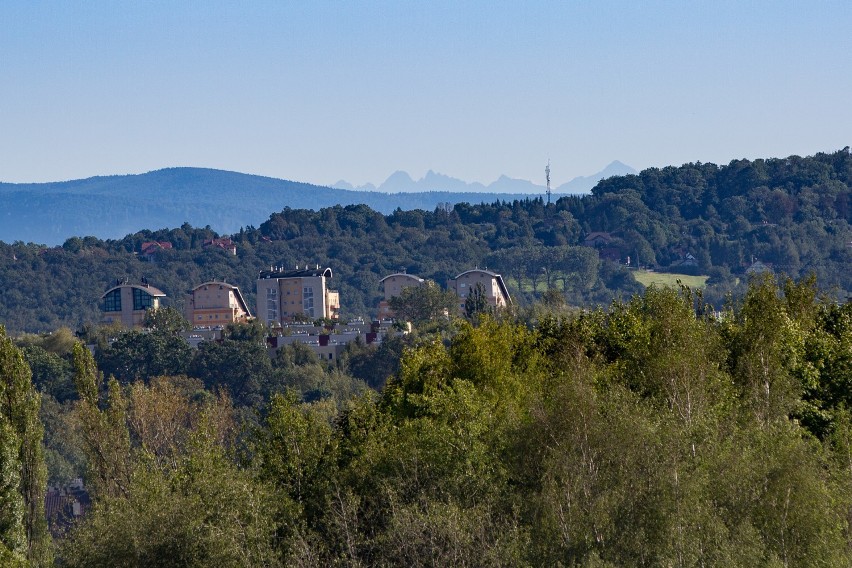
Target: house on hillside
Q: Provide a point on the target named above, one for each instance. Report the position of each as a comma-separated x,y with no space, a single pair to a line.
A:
215,303
392,286
493,284
605,244
685,260
126,303
597,239
225,244
757,267
65,505
287,295
151,249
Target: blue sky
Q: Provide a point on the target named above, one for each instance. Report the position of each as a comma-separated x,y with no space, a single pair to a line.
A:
321,91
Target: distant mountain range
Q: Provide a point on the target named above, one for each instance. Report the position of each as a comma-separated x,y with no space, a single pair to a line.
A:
110,207
401,182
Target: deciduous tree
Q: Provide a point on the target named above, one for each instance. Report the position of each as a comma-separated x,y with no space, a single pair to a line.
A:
23,474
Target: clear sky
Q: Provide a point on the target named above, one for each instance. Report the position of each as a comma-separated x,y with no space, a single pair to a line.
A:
320,91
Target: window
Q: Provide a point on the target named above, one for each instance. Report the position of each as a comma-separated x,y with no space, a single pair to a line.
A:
142,300
308,300
112,301
271,304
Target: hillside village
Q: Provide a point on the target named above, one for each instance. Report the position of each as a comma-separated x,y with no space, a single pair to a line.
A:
295,305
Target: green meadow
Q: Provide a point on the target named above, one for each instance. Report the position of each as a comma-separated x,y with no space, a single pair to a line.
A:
648,277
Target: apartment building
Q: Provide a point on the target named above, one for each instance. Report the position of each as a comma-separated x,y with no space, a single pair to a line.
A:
492,283
289,295
392,286
215,303
126,303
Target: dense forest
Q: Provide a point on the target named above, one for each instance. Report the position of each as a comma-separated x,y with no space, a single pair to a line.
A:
656,432
792,214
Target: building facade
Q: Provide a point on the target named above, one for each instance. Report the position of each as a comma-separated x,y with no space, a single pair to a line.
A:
215,303
126,304
289,295
492,283
392,286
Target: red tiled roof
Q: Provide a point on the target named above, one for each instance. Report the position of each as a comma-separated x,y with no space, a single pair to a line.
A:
153,246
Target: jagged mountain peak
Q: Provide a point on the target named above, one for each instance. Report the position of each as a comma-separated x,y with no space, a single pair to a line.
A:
401,182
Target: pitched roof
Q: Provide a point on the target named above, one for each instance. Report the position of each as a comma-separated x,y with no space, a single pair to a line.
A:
221,243
598,236
151,247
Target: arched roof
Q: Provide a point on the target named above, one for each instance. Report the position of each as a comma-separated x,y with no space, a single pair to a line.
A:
482,270
404,275
214,283
147,288
500,283
235,289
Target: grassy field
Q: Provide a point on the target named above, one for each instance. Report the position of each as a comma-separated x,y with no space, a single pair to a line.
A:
646,278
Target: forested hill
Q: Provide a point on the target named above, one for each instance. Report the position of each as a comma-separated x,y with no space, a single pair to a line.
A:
114,206
794,212
793,215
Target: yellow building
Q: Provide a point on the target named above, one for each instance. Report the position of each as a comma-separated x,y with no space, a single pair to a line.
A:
492,283
215,303
393,285
288,295
126,304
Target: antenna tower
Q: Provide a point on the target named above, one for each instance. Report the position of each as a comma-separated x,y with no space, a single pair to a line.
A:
547,174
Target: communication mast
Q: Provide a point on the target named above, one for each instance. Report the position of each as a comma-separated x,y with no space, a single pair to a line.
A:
547,174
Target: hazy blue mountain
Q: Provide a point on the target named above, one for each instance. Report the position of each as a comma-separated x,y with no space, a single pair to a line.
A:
113,206
434,181
584,184
505,184
343,184
397,182
402,182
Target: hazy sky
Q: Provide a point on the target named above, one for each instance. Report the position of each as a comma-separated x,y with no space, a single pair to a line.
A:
319,91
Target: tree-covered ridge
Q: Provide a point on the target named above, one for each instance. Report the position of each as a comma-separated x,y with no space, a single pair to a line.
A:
50,212
785,211
792,214
655,433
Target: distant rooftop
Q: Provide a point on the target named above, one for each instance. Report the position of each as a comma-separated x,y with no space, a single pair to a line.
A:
403,274
156,292
280,272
